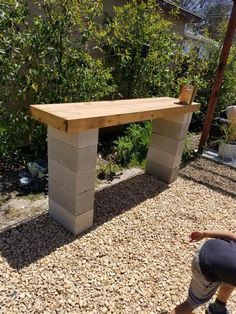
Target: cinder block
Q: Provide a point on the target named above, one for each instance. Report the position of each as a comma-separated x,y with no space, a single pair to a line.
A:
74,224
179,118
165,159
170,129
76,159
161,172
166,144
75,204
78,140
76,182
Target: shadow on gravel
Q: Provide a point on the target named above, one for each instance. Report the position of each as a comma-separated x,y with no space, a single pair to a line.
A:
203,173
36,238
215,173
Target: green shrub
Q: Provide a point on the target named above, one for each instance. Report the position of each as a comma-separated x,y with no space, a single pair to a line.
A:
131,148
49,58
21,138
137,26
188,153
107,170
46,59
227,93
140,45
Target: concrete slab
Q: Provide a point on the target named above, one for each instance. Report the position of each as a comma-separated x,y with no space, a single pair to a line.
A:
75,224
78,140
75,159
166,144
163,158
76,182
213,155
179,118
170,129
161,172
76,204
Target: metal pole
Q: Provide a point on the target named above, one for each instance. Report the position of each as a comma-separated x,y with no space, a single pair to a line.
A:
218,78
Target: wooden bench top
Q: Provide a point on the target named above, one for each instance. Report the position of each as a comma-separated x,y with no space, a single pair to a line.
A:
75,117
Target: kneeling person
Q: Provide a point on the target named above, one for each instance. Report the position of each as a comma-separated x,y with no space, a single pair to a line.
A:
213,267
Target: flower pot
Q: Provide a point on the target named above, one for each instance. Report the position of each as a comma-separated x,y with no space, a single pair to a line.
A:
231,113
227,151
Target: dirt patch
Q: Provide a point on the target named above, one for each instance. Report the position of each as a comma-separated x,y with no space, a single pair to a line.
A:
18,205
16,209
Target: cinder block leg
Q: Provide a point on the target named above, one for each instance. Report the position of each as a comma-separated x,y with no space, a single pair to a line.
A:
72,173
166,146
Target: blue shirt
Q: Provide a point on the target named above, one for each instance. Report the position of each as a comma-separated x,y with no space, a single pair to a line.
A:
217,260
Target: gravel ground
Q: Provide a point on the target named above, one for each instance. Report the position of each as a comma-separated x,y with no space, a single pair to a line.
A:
136,258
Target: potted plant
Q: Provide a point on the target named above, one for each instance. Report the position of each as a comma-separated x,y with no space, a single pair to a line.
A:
227,144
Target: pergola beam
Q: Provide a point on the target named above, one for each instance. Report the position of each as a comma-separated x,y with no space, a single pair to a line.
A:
218,78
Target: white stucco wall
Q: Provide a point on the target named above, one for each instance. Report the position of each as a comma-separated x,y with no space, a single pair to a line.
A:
178,22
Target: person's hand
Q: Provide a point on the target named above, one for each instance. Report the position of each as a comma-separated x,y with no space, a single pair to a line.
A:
196,236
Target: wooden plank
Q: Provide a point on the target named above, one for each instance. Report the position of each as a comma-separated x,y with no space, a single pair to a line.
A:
48,118
99,122
69,110
75,117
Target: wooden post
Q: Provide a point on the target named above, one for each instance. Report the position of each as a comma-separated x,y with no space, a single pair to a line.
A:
218,78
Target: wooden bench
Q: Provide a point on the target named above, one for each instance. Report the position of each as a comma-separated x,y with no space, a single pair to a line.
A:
72,148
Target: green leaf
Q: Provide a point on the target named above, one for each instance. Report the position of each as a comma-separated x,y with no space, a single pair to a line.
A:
35,87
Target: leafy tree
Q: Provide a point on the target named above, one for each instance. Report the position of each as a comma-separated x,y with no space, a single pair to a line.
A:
46,59
217,17
139,47
50,58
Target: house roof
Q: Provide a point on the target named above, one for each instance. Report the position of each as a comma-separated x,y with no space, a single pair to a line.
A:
189,15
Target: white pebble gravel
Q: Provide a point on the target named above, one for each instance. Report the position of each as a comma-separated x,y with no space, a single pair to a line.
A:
136,258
